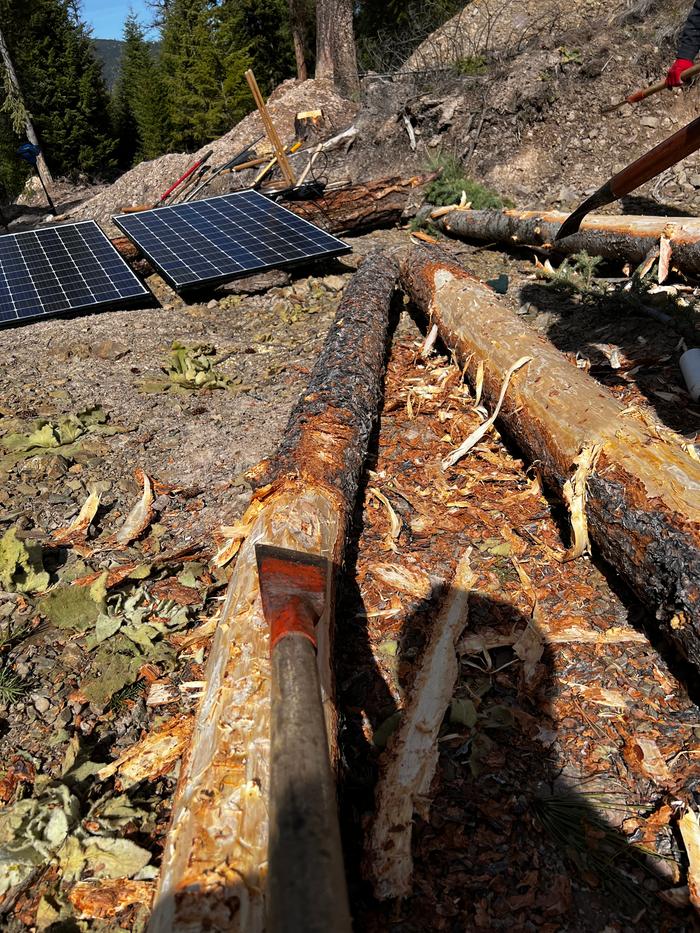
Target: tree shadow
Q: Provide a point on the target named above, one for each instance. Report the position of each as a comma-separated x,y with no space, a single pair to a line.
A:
593,328
513,839
639,204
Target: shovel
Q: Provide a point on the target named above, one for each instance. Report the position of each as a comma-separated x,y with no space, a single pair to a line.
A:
306,889
661,157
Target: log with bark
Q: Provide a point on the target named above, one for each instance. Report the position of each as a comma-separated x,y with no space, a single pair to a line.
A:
362,207
214,864
620,238
633,482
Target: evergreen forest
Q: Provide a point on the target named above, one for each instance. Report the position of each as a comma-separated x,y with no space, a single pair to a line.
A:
181,81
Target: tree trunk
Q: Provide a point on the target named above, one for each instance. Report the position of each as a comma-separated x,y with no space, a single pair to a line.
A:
297,19
325,31
625,239
363,207
345,74
641,497
41,165
214,864
336,59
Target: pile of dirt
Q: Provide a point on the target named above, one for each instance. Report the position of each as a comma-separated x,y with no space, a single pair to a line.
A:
148,180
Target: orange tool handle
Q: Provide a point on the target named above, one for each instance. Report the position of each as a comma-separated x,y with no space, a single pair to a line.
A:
660,86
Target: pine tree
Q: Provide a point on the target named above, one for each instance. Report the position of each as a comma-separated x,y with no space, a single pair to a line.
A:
139,101
62,84
194,72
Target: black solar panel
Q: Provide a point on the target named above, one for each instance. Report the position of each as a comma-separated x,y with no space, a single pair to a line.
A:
57,269
216,239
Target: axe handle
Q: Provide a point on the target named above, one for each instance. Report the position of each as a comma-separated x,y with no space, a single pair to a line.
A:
661,157
306,889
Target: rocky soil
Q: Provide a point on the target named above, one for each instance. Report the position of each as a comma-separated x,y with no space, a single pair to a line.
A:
125,438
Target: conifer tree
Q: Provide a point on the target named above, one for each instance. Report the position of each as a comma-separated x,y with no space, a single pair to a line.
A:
139,102
62,84
194,72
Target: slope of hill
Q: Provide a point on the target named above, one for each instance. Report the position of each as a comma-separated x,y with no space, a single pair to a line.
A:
109,52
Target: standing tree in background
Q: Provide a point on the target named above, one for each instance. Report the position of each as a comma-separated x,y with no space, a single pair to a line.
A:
301,20
62,84
336,59
194,72
139,102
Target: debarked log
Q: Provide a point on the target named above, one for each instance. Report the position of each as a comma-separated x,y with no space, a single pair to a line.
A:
618,238
361,207
215,858
639,483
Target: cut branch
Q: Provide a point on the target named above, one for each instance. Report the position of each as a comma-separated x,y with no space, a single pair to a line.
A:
214,864
642,495
363,207
624,239
412,752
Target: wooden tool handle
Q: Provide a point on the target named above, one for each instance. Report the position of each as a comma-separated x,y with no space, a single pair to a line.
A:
661,85
661,157
306,889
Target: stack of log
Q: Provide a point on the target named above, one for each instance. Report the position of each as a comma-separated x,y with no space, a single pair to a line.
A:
633,490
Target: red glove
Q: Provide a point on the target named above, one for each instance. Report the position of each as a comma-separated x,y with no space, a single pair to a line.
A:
673,78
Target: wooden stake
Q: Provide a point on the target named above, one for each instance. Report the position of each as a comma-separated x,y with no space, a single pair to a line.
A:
270,129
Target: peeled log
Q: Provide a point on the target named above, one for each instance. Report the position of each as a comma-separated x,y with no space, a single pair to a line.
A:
215,859
624,239
363,207
643,492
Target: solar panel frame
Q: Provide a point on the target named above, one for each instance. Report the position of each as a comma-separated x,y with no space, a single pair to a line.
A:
63,269
182,276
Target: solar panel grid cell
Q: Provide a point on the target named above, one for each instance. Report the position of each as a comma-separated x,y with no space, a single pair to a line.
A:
220,238
66,268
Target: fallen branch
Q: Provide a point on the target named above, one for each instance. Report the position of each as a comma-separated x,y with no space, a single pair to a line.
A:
625,239
362,207
412,752
215,858
642,493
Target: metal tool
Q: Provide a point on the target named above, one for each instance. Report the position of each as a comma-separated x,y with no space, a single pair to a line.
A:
652,89
306,889
239,159
176,184
661,157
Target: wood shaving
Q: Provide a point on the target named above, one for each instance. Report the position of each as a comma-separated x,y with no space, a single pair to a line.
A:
476,435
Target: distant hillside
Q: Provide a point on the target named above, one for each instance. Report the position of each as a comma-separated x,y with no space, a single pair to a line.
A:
109,52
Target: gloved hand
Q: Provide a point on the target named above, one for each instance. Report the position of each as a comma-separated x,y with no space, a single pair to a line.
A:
673,78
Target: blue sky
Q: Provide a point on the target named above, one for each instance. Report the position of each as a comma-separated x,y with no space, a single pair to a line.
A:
107,18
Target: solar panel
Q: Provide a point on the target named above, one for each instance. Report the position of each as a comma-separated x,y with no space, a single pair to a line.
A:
58,269
216,239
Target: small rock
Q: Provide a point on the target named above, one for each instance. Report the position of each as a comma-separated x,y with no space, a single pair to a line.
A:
651,122
109,349
41,704
695,181
334,283
213,304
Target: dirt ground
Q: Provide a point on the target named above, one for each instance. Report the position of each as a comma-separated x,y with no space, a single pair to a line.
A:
538,788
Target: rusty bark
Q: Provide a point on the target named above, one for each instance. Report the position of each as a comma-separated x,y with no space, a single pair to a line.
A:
642,499
623,239
363,207
214,864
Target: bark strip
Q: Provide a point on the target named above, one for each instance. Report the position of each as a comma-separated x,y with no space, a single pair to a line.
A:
215,859
623,239
642,501
359,208
412,753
